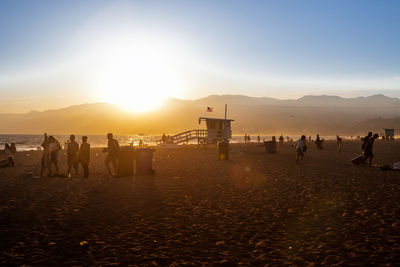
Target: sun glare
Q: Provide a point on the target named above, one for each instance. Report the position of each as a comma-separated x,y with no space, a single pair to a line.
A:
138,76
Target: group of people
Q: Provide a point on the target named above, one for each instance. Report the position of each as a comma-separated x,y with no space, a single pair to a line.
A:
75,155
166,139
246,138
10,149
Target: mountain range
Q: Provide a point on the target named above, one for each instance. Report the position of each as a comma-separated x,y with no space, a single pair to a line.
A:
326,115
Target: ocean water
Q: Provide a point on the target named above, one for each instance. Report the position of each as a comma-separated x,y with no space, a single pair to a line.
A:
33,142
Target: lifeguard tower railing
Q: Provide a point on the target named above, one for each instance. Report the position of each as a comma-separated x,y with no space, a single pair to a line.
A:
200,135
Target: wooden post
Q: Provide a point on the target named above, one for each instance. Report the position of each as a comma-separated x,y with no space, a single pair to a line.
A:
224,133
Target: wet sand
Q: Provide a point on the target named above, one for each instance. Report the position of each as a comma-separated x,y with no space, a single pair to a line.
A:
255,209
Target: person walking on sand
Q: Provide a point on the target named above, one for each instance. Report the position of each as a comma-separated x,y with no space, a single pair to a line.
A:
45,156
365,141
301,148
54,147
369,147
281,140
84,156
72,155
339,141
112,157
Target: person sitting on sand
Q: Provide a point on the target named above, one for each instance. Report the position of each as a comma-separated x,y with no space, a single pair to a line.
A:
368,148
301,148
9,162
365,140
339,141
72,155
84,156
13,148
113,150
45,156
54,147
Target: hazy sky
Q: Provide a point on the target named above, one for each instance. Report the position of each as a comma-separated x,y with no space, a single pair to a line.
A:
55,53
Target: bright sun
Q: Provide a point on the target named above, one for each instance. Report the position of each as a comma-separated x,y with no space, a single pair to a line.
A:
137,75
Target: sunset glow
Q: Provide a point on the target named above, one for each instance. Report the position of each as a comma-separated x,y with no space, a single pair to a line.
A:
137,75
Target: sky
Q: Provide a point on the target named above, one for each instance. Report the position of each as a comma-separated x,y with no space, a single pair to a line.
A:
59,53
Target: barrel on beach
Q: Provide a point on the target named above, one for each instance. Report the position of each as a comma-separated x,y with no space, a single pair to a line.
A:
223,150
125,161
270,146
144,161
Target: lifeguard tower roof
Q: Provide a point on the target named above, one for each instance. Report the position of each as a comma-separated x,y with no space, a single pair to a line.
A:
218,119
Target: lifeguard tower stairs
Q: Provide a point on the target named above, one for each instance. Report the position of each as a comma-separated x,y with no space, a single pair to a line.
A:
185,137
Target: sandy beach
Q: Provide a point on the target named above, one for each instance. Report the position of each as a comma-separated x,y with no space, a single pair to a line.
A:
255,209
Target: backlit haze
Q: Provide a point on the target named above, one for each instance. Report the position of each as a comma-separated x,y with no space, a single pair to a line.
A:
136,54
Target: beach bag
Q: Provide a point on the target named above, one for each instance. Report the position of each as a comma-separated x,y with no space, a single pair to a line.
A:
358,160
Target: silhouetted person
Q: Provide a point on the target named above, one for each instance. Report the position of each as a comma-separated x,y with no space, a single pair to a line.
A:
365,140
164,138
54,147
301,148
84,156
7,148
319,142
72,155
339,141
248,138
258,139
113,150
13,148
45,160
369,147
281,139
245,138
273,138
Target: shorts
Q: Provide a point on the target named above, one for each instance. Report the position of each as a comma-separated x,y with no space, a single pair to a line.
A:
54,157
300,152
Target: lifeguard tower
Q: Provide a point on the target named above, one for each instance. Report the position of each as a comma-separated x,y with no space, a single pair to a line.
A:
217,130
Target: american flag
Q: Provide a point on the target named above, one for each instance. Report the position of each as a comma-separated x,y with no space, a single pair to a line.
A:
209,109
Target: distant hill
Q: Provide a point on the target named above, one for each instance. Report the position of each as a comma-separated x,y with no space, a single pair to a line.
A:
327,115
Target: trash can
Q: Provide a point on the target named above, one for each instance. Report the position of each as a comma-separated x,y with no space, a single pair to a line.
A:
144,161
223,150
125,161
270,146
